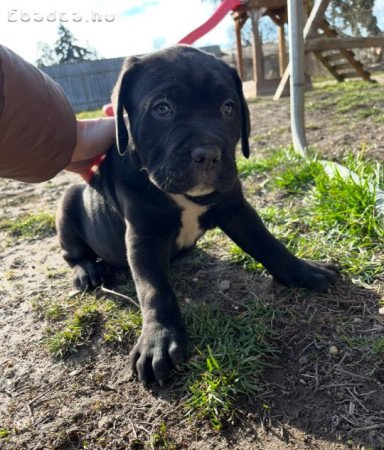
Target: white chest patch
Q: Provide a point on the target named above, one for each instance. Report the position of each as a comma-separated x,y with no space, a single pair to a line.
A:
190,230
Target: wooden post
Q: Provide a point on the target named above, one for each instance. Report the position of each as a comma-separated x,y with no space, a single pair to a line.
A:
282,51
258,61
240,62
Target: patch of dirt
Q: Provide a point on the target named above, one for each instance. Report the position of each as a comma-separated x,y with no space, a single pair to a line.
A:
320,394
332,135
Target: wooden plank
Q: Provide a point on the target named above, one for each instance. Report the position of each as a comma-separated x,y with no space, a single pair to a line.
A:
258,60
351,75
328,66
282,51
240,62
348,54
331,43
315,18
333,56
270,4
341,66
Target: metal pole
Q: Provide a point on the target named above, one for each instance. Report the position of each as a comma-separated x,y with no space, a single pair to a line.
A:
297,79
297,88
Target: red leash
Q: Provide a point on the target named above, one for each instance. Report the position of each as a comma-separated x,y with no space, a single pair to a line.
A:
223,9
92,168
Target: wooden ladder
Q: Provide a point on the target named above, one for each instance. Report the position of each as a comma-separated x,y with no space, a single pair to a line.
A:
341,63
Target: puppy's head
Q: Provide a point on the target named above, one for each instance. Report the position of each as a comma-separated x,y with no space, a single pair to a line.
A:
185,114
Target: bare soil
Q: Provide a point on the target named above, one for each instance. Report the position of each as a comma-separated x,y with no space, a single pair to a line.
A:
313,398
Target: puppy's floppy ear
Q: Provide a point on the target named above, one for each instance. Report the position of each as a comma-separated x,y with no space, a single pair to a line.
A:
245,119
120,96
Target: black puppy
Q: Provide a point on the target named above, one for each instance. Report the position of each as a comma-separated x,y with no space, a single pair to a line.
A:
186,113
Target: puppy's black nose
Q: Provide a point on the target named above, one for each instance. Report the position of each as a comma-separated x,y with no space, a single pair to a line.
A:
207,156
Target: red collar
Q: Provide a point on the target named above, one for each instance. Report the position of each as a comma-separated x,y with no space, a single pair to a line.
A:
93,166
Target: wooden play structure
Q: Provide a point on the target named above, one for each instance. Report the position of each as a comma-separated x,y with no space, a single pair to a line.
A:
333,50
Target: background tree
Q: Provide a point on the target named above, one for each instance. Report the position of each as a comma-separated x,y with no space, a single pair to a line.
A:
66,49
354,17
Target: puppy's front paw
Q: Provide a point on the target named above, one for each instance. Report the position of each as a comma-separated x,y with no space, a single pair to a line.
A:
314,275
159,349
87,275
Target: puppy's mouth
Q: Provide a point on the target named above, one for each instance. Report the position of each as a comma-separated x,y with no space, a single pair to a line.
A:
183,185
191,182
200,191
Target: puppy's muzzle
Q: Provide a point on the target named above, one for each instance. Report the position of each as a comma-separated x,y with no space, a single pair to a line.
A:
206,157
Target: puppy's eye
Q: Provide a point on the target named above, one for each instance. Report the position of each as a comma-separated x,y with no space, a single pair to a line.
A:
227,109
162,109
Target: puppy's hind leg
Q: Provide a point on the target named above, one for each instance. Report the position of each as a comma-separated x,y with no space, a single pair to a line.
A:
87,272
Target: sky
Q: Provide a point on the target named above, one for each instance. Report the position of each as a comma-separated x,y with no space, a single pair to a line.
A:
114,27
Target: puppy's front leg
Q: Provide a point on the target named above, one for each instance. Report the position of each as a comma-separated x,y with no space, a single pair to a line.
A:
161,345
243,225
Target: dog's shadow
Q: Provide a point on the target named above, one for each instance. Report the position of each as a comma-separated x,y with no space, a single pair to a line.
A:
321,358
326,374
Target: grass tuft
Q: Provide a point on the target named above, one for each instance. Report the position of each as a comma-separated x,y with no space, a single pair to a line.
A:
30,226
4,433
325,218
298,177
231,351
76,332
73,322
122,326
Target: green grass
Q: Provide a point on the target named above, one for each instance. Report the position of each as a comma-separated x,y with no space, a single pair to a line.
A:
30,226
229,348
160,439
325,218
284,168
4,433
230,353
298,177
73,322
357,99
76,332
248,167
121,326
90,114
368,344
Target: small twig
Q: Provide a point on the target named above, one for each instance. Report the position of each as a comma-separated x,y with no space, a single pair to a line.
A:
351,374
48,414
351,422
144,429
368,427
6,392
44,393
338,385
133,428
357,400
371,329
118,294
30,412
307,347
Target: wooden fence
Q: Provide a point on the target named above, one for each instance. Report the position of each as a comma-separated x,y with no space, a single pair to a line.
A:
87,84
